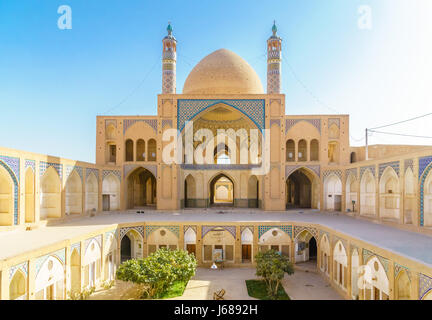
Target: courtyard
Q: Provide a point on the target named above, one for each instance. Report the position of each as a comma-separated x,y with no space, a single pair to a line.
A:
304,284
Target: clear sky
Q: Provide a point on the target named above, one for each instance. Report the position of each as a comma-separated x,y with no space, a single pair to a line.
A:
54,82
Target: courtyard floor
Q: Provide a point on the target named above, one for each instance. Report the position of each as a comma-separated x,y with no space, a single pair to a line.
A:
305,284
405,243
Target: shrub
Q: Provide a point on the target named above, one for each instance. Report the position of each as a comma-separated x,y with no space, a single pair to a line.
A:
271,267
156,273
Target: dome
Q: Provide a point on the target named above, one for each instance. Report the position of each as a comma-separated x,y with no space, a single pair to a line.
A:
223,72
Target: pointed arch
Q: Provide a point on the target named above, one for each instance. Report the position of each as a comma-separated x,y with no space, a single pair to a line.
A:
92,193
221,189
403,286
389,194
340,264
18,286
74,194
50,280
333,193
92,264
141,188
302,189
131,245
275,239
8,193
324,252
50,195
376,282
111,192
351,191
75,267
367,194
305,246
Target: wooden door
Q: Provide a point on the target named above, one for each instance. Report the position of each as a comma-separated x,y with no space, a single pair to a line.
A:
246,252
191,248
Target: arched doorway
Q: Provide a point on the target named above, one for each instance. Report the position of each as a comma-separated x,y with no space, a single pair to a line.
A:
141,189
302,189
125,249
305,247
333,193
247,243
190,240
110,193
221,191
189,192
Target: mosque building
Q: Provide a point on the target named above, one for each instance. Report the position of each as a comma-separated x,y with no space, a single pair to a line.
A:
265,161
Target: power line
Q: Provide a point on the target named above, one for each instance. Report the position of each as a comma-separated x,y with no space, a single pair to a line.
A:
400,134
403,121
306,88
133,90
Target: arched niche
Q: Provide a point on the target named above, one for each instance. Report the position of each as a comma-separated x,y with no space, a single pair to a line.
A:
6,198
333,193
50,206
162,238
351,192
305,247
92,264
389,194
275,239
367,194
92,193
18,286
74,194
111,193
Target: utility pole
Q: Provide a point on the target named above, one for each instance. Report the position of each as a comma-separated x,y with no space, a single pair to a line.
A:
367,157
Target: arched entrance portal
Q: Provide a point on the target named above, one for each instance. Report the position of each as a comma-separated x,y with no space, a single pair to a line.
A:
221,191
305,247
141,189
302,190
126,249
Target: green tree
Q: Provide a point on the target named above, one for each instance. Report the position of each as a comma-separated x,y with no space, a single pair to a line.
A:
271,266
156,273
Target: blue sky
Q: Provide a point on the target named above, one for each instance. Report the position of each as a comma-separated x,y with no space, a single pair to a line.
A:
54,82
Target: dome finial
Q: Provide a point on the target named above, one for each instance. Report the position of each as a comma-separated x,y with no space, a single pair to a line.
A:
169,28
274,28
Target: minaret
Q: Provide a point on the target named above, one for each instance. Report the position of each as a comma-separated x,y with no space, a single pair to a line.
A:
274,56
169,58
